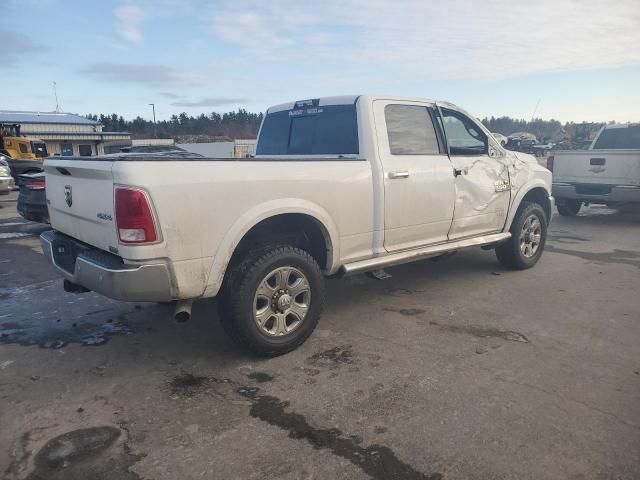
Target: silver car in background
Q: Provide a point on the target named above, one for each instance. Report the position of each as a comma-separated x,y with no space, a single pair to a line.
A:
6,180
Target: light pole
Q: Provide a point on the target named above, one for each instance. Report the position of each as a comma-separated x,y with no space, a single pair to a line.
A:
153,106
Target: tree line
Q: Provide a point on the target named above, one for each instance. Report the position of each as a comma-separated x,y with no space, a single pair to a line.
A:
226,126
567,135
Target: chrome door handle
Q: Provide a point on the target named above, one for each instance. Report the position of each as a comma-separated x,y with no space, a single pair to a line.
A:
399,174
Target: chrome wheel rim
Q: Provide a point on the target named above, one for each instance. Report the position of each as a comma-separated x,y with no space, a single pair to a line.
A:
282,301
530,236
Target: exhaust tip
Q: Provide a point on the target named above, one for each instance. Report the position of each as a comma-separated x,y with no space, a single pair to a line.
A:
183,311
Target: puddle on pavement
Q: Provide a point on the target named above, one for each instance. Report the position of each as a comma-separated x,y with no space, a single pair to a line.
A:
260,377
562,236
42,314
377,461
57,333
624,257
333,358
187,385
484,332
97,452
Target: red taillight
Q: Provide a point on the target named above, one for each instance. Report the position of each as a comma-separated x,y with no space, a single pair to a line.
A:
550,163
36,185
133,217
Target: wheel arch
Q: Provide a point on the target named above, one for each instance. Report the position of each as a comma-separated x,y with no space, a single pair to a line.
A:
535,191
312,219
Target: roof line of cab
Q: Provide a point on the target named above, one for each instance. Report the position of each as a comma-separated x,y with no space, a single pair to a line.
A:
346,100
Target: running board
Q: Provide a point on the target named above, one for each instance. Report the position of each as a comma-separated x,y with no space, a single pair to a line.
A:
421,253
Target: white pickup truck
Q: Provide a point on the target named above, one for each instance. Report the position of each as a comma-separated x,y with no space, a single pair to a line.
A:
338,186
608,173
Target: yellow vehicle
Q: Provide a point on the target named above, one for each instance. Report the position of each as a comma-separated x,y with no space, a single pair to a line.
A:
13,145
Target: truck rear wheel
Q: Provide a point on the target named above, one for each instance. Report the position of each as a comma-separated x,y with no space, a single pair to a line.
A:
272,300
528,237
568,207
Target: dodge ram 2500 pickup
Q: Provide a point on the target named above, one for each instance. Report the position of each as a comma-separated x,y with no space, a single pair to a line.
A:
338,186
608,173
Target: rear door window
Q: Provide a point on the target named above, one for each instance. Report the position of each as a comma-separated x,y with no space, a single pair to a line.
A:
321,130
618,138
410,130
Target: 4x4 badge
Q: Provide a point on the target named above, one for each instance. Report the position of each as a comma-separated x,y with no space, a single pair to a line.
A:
68,195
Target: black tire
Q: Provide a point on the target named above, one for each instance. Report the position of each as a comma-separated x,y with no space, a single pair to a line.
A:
237,301
568,207
510,253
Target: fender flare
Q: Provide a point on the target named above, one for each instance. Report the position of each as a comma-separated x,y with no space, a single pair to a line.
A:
259,213
520,194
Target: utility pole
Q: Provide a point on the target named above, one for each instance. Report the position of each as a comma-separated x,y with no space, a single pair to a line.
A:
55,93
155,132
535,110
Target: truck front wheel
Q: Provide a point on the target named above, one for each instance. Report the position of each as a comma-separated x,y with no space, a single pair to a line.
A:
272,300
568,207
528,237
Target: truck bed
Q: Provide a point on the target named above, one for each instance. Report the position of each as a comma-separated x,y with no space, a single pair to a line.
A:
608,167
202,204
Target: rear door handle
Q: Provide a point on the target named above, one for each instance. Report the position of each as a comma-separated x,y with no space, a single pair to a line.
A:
399,174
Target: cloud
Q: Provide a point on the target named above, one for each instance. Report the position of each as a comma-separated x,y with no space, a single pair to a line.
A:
15,47
144,74
129,19
454,39
170,95
210,102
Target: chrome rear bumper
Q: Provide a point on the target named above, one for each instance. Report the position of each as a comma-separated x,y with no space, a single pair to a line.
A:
105,273
597,193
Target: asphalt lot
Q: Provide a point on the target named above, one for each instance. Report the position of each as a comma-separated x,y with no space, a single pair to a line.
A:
455,369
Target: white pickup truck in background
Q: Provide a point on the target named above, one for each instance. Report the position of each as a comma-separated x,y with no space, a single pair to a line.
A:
338,185
607,173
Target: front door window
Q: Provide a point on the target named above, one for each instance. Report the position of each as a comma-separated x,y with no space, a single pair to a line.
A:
463,135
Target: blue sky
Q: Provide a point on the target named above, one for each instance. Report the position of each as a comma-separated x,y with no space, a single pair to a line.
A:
579,59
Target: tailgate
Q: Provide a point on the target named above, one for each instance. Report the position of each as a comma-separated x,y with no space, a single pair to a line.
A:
610,167
80,199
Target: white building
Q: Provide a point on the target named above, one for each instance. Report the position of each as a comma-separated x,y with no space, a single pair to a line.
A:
239,148
65,133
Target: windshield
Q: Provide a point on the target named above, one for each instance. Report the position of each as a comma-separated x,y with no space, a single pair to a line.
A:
323,130
9,131
618,138
39,149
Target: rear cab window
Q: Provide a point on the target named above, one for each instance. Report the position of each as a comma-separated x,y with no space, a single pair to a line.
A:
618,138
310,129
